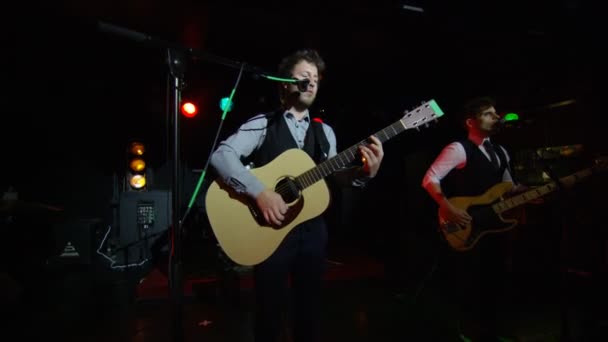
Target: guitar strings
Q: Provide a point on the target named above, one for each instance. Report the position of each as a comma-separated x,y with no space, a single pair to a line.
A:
338,163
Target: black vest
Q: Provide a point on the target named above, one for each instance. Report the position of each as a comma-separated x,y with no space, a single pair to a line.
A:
279,139
477,176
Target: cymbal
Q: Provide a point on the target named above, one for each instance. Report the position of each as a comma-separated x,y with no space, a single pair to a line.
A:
13,207
553,152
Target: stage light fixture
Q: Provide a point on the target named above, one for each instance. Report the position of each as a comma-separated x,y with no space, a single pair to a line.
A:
189,109
226,104
136,166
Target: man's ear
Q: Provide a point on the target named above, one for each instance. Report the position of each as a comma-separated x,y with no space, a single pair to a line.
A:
468,123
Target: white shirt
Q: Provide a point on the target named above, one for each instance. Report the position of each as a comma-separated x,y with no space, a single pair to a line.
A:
454,156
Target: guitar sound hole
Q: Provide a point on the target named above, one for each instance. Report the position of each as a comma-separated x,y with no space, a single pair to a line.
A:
288,189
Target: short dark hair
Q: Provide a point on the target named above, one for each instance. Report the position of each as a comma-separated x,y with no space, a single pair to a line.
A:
473,108
309,55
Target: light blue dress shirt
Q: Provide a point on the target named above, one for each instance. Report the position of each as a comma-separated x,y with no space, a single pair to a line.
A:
249,137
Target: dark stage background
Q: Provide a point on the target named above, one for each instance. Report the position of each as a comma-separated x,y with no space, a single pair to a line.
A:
73,96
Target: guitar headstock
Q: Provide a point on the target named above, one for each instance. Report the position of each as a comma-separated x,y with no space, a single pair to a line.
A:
422,115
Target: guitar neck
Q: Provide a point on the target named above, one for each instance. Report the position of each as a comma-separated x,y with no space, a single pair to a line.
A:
346,157
528,196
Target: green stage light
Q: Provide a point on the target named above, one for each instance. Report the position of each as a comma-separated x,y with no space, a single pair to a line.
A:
226,105
511,117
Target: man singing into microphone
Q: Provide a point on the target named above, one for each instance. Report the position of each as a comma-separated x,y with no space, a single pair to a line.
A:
301,254
469,167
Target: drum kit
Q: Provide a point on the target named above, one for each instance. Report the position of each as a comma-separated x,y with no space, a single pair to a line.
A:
529,165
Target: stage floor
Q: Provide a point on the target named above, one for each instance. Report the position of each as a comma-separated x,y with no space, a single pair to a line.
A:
360,304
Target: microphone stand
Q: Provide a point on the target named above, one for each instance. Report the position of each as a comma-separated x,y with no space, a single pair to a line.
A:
177,56
177,66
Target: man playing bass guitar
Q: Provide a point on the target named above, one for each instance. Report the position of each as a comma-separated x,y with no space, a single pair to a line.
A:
469,167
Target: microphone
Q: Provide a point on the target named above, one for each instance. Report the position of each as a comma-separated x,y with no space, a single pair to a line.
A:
499,125
302,84
507,124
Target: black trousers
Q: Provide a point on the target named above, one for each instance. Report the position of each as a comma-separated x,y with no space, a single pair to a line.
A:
299,261
476,280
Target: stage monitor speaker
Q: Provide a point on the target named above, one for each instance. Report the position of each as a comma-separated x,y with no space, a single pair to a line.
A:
74,241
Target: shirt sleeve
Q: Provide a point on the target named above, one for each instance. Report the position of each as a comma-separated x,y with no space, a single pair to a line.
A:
227,158
331,139
452,156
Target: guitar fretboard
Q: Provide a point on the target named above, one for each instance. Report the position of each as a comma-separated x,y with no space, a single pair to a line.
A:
346,157
527,196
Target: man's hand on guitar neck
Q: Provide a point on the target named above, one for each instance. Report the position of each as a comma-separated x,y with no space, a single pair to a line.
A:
272,206
453,214
371,156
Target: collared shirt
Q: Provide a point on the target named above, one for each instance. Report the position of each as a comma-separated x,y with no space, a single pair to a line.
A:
454,156
248,138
